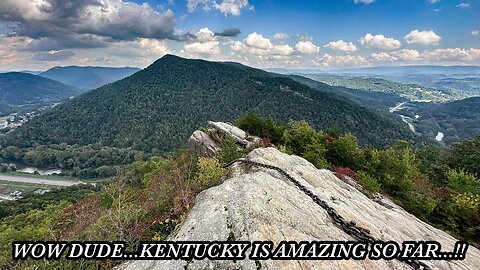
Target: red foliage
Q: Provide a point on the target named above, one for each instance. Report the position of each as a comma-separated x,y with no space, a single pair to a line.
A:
183,201
266,142
329,138
78,216
344,171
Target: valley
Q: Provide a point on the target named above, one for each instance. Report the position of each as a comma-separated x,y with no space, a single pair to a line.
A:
302,134
145,145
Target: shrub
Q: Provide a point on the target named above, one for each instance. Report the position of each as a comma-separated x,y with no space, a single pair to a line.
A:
209,174
229,150
369,184
463,182
264,127
345,171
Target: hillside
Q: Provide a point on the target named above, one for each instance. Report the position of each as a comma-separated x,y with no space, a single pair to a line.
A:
380,101
157,108
410,91
26,89
88,77
457,120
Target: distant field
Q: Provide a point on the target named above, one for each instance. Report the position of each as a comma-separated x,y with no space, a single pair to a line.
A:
54,177
7,185
4,118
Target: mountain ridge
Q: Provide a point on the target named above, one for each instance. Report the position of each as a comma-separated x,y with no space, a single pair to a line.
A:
168,100
19,88
88,77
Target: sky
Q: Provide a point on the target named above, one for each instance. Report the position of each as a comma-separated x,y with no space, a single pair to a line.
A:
317,34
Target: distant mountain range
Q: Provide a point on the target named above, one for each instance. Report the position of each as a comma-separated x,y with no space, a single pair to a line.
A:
157,108
388,70
87,77
444,82
22,89
409,91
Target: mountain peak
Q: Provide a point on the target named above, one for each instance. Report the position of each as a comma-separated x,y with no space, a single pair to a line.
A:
174,95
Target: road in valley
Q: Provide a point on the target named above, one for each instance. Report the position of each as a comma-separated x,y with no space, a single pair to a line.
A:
39,180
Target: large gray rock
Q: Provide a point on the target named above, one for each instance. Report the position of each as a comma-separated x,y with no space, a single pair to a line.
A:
231,131
201,144
257,204
207,143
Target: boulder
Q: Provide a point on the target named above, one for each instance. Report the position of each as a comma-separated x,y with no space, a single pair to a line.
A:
207,143
257,204
200,144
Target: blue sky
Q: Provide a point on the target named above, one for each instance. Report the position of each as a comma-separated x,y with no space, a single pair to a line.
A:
292,34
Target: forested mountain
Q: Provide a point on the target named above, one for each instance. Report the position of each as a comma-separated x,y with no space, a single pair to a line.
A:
156,109
409,91
23,89
88,77
380,101
457,120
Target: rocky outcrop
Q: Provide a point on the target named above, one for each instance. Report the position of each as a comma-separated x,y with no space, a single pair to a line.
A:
257,204
207,143
202,145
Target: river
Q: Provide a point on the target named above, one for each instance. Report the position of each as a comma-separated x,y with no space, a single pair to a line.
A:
31,169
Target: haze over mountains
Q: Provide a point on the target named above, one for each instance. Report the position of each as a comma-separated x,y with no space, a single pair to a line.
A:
88,77
20,90
160,106
26,91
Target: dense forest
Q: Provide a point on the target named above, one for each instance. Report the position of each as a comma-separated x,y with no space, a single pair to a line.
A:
89,161
409,91
380,101
156,109
149,198
457,120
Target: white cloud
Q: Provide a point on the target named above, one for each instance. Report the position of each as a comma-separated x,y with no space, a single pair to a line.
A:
155,46
256,40
422,37
341,46
328,60
463,5
366,2
238,46
433,1
307,47
453,54
206,43
210,47
281,36
205,35
380,42
475,32
282,49
394,56
256,44
233,7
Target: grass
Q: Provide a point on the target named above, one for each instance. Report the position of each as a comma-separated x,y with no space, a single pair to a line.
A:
55,177
6,187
